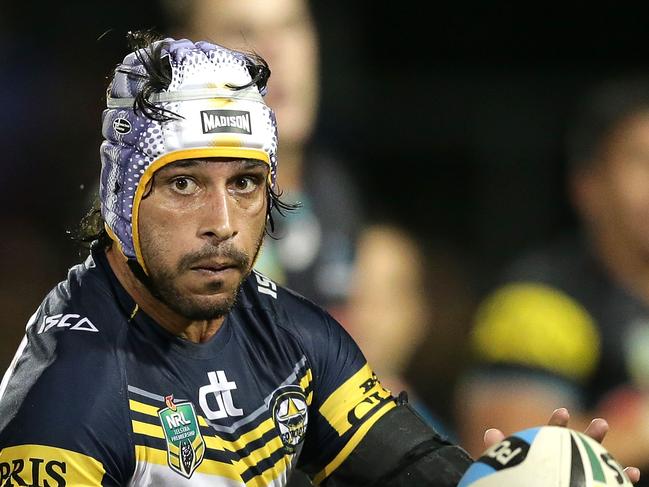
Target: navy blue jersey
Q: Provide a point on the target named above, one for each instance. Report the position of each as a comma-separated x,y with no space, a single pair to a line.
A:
100,394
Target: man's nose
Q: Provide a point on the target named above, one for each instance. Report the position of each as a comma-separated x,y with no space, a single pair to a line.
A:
217,221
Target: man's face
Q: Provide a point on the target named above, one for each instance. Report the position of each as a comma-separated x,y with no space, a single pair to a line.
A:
617,188
201,225
283,32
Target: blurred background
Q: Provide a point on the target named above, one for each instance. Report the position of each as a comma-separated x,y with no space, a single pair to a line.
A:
452,122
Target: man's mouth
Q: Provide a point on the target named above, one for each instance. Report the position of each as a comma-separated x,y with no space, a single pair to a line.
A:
214,267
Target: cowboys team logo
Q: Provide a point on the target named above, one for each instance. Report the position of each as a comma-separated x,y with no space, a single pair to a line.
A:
185,444
290,414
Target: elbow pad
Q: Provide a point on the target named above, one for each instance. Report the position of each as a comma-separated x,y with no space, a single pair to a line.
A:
401,449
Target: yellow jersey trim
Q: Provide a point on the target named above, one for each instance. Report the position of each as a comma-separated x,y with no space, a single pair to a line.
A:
145,454
359,394
212,441
147,429
56,466
140,407
270,473
305,381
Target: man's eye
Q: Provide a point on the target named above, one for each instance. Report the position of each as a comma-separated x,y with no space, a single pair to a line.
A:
245,184
184,185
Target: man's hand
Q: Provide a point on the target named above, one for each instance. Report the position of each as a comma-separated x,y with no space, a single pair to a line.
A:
597,430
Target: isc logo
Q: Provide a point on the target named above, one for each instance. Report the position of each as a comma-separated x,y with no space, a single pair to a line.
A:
71,321
35,472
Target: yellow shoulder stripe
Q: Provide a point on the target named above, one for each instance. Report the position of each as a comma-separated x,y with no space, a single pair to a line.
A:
46,465
357,396
537,325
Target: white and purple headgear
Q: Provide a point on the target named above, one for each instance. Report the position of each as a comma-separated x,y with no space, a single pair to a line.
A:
214,119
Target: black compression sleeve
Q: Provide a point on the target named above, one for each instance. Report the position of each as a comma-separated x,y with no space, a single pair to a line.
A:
401,450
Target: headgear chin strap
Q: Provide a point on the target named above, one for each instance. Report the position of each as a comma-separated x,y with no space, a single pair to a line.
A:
214,119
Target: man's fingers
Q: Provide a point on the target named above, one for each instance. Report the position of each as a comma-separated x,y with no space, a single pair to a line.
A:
492,436
633,474
597,429
560,417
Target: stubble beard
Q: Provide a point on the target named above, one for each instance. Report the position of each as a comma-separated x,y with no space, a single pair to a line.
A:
162,281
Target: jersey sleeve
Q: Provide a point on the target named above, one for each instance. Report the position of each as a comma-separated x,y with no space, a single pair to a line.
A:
60,406
348,399
535,328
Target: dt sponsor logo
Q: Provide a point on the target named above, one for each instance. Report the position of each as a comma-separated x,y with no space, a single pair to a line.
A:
220,389
33,472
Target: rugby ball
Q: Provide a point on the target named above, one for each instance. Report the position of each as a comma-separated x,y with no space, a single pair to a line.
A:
546,456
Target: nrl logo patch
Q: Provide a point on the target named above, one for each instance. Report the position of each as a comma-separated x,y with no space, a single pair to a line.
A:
232,121
290,415
185,444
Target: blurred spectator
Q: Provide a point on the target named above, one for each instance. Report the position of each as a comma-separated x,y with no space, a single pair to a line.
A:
314,249
568,323
393,308
448,287
389,309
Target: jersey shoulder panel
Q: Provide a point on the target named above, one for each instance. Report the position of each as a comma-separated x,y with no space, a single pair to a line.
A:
65,389
347,398
325,343
87,293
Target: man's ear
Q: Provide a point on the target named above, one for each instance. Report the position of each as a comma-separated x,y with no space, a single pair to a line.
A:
148,188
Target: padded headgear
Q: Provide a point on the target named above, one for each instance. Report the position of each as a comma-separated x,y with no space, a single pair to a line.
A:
213,119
